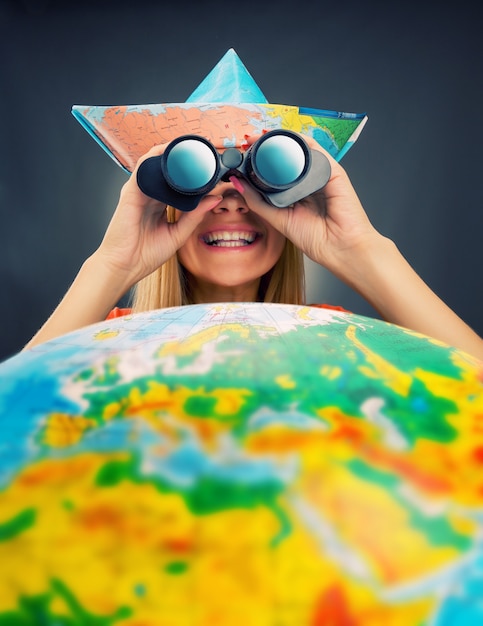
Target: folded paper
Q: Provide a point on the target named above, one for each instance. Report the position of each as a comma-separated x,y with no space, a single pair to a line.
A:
225,108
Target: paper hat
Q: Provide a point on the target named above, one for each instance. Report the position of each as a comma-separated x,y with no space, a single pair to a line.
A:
227,106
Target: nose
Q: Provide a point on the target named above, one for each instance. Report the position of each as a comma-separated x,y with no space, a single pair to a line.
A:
232,199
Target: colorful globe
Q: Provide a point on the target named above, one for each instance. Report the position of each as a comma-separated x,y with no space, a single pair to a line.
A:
241,465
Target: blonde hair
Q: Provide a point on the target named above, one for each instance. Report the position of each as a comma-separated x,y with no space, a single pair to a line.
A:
168,286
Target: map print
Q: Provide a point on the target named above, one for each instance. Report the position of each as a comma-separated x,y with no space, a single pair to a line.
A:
245,465
227,106
128,132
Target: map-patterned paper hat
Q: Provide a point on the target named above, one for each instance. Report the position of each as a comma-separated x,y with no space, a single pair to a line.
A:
227,106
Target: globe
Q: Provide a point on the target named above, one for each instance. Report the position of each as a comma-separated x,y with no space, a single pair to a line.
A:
241,465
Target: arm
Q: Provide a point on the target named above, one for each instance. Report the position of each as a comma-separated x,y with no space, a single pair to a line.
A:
138,240
386,280
332,228
94,292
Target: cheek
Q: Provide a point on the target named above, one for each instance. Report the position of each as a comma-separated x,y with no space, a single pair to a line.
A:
278,245
186,255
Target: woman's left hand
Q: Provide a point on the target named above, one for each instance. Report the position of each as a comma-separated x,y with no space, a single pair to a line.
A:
330,226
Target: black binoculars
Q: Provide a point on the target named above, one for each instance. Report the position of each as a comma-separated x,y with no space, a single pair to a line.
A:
279,165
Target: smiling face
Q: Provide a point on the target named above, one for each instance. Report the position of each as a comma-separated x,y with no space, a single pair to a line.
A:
230,251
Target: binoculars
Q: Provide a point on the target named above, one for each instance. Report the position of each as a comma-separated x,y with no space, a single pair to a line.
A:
279,165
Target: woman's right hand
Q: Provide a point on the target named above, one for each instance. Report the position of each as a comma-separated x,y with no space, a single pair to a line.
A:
138,240
139,237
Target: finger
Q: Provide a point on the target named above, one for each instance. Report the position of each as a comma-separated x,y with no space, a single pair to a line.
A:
188,220
251,139
132,187
259,205
207,203
132,196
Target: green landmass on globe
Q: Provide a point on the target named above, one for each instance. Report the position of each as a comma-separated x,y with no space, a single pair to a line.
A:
241,464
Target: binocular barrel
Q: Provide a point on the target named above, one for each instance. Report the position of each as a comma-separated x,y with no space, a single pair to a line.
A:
280,165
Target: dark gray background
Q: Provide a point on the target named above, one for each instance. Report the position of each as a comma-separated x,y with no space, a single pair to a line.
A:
415,68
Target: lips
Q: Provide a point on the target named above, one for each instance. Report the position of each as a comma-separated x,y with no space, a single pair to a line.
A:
230,238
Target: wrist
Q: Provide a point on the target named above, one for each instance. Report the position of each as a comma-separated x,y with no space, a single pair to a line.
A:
95,291
105,272
388,282
363,263
377,270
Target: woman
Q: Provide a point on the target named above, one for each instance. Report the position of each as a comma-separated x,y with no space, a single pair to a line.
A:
236,247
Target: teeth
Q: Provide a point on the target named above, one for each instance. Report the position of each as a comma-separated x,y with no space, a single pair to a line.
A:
230,239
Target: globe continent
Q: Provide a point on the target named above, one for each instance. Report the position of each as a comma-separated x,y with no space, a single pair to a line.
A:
241,465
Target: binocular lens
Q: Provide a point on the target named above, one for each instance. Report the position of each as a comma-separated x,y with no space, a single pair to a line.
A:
190,165
280,160
280,165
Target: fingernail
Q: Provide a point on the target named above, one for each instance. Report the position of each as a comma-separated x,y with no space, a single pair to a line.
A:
235,181
215,203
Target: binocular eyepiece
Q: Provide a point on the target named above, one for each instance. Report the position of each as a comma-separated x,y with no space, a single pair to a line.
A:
280,165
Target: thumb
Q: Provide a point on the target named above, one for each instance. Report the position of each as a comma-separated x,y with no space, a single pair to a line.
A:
188,221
